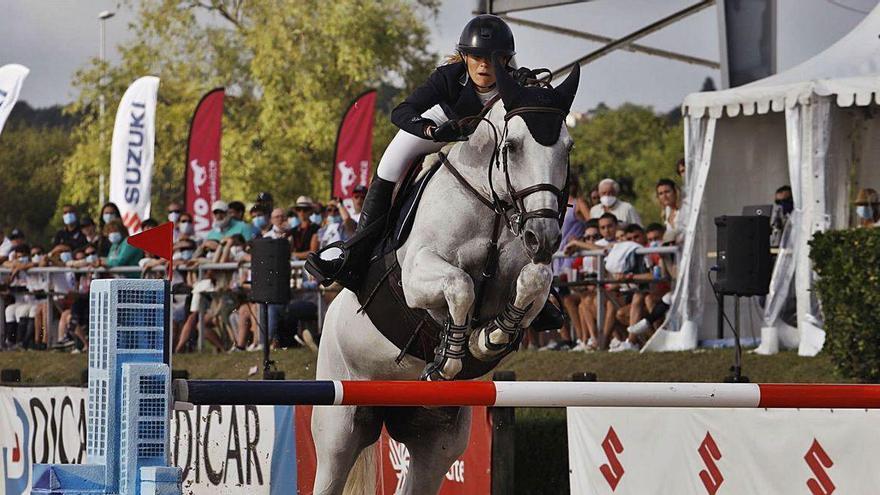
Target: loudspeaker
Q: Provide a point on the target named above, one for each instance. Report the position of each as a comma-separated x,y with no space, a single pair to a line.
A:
743,262
270,271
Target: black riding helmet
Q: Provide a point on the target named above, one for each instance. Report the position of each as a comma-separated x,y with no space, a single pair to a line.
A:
484,35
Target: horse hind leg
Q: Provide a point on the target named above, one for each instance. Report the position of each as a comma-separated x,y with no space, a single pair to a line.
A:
341,434
532,289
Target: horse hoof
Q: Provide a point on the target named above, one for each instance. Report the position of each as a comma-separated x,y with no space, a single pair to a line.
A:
479,349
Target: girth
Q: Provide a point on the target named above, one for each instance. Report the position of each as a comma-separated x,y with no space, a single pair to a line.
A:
413,331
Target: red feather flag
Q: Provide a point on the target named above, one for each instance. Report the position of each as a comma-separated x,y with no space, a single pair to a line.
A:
158,241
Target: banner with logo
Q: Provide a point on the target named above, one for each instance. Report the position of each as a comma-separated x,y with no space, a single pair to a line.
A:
11,78
354,148
470,474
131,153
221,449
723,451
203,160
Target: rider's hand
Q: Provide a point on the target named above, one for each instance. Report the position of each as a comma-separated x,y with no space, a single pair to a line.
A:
447,132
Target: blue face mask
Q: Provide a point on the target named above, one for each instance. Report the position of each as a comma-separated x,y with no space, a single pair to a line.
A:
91,258
315,218
293,222
66,256
114,237
186,254
108,217
334,219
865,212
259,222
69,218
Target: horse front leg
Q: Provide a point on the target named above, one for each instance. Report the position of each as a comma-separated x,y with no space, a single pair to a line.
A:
532,289
430,282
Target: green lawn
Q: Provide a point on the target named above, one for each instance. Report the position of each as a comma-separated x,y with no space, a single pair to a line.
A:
47,368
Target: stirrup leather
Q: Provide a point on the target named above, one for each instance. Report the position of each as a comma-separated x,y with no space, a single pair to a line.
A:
509,322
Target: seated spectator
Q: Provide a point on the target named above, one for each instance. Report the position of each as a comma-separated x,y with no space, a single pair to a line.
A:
185,228
333,227
579,303
70,235
264,199
121,253
304,235
225,225
667,195
203,298
236,210
357,202
109,212
13,240
89,231
610,203
260,221
174,212
868,208
278,226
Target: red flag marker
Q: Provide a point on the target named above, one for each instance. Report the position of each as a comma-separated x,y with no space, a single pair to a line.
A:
158,241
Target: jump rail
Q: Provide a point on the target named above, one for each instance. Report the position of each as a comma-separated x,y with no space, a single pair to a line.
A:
526,394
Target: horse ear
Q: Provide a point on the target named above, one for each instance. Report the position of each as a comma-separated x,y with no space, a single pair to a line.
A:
507,86
568,88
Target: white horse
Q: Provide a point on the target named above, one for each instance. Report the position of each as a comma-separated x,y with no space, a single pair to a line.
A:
445,252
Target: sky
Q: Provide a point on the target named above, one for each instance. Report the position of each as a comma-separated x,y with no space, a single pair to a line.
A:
55,37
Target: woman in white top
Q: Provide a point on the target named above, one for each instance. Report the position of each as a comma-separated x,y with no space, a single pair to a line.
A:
667,195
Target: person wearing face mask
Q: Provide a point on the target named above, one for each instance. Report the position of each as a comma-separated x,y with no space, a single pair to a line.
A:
304,237
279,228
610,203
333,229
224,225
109,212
70,235
121,253
260,221
867,205
185,228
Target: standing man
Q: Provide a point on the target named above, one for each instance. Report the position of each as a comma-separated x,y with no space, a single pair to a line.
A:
610,203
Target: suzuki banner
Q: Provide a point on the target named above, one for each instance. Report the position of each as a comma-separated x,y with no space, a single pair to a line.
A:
203,160
221,449
131,153
354,148
717,451
11,78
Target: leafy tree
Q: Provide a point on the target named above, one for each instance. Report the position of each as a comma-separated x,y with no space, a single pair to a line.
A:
630,144
290,67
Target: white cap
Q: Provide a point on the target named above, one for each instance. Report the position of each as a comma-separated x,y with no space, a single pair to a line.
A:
304,202
219,205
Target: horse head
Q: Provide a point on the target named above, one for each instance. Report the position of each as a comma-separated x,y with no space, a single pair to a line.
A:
533,158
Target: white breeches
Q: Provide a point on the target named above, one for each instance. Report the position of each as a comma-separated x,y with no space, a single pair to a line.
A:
405,147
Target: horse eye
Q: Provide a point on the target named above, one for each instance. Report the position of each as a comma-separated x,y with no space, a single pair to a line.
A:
510,145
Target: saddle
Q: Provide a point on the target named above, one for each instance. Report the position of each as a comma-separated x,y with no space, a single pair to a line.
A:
381,296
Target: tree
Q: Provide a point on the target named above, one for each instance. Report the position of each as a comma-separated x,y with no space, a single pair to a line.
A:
290,67
630,144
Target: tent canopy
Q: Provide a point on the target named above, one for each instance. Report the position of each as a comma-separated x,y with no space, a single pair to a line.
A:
849,69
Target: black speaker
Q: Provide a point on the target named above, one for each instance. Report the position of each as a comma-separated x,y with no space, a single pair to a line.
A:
743,255
270,271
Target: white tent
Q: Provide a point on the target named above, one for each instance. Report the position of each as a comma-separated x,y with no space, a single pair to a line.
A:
812,127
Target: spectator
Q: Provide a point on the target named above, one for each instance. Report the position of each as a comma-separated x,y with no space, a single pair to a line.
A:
333,229
236,210
784,205
680,168
185,227
109,212
667,195
150,223
357,201
868,208
304,235
584,319
260,221
19,314
174,212
13,240
70,235
610,203
278,228
90,231
225,225
594,197
265,201
121,253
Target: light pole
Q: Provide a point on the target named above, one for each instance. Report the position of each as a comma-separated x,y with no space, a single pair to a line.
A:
102,18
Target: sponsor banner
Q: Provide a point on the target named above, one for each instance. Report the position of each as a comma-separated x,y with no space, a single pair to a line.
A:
11,78
354,148
203,160
722,451
470,474
131,153
221,449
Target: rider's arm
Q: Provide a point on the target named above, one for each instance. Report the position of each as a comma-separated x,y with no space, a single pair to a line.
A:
408,115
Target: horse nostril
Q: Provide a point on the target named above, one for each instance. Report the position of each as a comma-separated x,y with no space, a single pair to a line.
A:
531,241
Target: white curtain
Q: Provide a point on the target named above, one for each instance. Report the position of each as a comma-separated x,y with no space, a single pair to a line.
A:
680,330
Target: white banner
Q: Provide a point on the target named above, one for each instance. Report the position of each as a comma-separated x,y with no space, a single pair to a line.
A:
131,155
221,449
723,451
11,78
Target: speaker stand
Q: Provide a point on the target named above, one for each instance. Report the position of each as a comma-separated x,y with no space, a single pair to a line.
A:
269,371
735,375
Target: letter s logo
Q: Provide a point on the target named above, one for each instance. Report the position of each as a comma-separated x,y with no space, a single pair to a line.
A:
711,476
613,470
819,462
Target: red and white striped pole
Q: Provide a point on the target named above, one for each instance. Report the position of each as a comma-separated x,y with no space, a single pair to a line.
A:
528,394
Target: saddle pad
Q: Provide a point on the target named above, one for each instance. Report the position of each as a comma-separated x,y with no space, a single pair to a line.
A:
404,211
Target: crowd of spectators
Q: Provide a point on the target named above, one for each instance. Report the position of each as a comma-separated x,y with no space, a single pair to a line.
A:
208,299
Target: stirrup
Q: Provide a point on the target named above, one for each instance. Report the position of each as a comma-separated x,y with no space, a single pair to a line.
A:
327,270
452,335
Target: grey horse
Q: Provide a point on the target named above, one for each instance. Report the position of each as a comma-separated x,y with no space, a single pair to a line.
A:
440,260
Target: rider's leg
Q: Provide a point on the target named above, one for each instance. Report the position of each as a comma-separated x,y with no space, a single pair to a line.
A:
336,263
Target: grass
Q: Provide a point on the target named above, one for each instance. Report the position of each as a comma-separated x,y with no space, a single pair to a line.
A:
54,368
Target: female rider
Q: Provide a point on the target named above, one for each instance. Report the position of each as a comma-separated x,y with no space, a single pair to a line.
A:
428,119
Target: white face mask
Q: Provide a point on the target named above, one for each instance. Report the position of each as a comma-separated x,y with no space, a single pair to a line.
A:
608,201
865,212
236,252
173,216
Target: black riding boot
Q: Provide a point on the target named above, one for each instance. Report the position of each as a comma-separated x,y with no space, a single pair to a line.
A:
346,262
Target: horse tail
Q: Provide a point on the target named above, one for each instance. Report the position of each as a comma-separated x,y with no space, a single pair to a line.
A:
362,479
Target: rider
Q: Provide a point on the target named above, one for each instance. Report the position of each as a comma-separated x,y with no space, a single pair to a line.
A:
428,119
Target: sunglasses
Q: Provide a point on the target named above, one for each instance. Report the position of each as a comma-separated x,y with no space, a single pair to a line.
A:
174,211
594,237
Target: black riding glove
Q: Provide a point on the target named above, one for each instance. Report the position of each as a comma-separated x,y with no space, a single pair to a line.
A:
447,132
